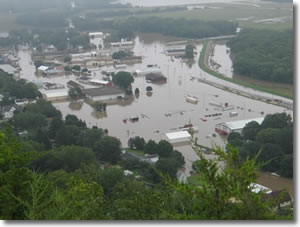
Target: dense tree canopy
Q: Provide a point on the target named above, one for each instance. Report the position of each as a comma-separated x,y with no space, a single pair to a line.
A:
264,55
273,138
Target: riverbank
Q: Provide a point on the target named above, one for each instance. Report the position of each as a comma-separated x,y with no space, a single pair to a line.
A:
203,63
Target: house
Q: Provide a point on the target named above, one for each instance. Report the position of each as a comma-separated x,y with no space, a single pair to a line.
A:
235,126
21,102
282,197
143,72
43,69
104,93
152,159
55,69
178,137
8,111
73,84
156,78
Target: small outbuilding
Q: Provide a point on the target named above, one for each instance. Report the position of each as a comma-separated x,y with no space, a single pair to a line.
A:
55,96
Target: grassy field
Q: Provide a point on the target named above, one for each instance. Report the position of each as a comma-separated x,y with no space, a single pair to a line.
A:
138,152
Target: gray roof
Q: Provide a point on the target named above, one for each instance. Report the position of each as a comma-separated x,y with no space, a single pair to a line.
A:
103,91
8,68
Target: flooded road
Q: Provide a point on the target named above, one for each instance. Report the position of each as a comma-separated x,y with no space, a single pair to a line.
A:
168,98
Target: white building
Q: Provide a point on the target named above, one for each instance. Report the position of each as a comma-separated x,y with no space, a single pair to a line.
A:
104,93
99,82
143,72
235,126
178,137
56,95
43,69
8,111
96,35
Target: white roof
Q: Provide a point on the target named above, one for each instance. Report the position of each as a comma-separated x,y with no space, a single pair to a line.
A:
96,33
178,135
259,188
43,68
99,81
56,94
148,70
234,125
8,68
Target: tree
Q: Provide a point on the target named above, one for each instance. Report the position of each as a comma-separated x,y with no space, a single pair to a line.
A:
250,130
28,120
286,166
99,106
68,158
76,68
150,147
108,149
38,63
164,148
149,88
189,51
67,59
89,137
277,120
268,135
76,93
235,139
123,79
137,91
270,154
109,177
120,54
71,119
67,135
137,143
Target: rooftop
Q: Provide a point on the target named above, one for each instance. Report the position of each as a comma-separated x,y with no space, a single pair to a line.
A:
233,125
55,94
178,135
8,68
99,81
103,91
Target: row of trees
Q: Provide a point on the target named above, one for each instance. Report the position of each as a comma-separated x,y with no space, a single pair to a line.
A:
273,138
264,55
166,26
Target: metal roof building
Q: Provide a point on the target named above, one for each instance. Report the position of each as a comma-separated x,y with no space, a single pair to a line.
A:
57,95
235,126
178,137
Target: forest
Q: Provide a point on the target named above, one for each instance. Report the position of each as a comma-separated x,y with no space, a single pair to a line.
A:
56,168
264,55
273,139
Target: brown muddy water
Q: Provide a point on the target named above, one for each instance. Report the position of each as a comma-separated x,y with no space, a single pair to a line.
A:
168,98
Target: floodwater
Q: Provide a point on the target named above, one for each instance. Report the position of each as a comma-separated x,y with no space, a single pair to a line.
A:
221,55
168,98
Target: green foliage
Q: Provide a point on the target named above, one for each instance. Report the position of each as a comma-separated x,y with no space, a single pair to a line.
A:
189,51
29,120
76,68
43,107
108,149
71,119
265,55
149,88
274,137
76,93
67,135
67,59
20,89
123,79
99,106
68,158
137,142
121,54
